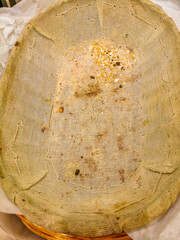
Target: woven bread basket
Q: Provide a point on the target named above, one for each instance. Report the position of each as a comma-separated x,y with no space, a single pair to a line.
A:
50,235
90,119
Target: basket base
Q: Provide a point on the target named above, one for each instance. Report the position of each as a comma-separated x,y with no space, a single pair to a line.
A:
50,235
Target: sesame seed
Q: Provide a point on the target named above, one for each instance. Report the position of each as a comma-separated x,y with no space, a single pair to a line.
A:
61,110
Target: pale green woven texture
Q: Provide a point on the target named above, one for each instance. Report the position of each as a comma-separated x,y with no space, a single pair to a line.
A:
38,167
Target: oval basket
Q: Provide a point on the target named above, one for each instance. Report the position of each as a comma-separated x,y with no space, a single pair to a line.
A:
50,235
